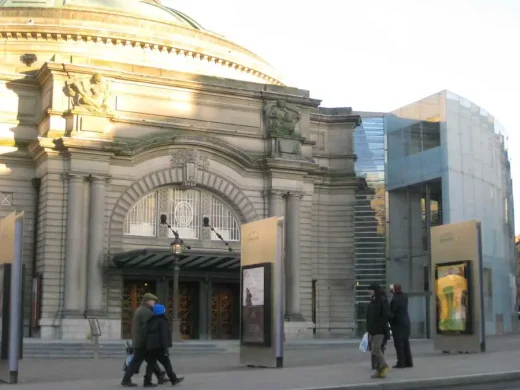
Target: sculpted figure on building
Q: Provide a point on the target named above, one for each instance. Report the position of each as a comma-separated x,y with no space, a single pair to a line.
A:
281,119
92,96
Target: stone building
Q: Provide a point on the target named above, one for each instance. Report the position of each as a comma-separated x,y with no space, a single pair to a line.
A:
120,111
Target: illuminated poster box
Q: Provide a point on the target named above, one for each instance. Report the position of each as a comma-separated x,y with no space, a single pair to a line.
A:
453,298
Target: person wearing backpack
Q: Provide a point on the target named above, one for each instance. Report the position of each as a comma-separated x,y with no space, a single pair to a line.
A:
159,341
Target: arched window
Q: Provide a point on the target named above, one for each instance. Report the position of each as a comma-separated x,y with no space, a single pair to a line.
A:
184,210
223,221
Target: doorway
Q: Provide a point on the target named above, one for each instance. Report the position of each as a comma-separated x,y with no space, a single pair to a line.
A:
225,311
133,291
188,308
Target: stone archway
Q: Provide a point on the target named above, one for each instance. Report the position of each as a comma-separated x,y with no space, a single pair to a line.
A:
146,184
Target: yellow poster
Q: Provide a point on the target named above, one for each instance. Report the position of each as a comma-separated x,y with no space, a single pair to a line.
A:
452,297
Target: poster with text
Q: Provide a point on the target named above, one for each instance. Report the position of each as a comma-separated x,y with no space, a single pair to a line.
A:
452,296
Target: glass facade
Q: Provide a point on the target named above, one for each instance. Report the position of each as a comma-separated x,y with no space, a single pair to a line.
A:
370,211
447,163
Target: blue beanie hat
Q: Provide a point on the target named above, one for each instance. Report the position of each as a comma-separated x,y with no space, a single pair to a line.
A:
158,310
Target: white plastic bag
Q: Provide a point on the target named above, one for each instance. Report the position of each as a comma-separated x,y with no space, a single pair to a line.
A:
363,346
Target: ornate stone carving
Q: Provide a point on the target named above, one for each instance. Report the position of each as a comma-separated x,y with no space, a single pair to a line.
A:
192,162
281,120
92,96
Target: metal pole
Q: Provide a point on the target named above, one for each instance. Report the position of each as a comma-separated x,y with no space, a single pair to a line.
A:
176,321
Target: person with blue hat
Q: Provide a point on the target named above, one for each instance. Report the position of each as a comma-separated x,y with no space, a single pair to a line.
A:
159,341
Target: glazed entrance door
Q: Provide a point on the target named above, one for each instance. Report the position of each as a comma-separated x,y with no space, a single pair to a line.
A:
133,291
187,305
224,311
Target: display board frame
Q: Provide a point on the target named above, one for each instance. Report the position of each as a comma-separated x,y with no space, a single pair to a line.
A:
264,310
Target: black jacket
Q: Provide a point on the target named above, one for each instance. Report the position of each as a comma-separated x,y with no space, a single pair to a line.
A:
378,315
400,322
159,333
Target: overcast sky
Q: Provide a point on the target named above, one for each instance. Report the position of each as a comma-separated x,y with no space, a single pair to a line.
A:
378,55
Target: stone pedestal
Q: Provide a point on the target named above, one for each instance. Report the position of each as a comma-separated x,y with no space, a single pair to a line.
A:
286,147
79,329
88,125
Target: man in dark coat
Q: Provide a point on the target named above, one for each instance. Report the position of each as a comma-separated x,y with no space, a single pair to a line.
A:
378,315
139,340
401,327
159,341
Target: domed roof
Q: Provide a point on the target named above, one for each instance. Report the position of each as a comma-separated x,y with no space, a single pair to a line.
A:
127,32
146,9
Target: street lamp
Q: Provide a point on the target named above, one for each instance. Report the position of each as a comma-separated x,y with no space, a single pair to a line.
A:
176,251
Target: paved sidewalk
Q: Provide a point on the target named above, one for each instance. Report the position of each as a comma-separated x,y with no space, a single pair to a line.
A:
307,370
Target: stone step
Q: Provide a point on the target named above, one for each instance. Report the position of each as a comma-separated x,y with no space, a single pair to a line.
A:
41,349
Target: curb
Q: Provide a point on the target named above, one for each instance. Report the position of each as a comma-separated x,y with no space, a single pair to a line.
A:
428,384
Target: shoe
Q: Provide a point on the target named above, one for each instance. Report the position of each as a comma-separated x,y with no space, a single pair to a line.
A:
177,381
149,385
128,384
383,372
398,366
409,366
161,379
376,375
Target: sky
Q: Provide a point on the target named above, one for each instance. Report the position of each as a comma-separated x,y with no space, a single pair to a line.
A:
378,55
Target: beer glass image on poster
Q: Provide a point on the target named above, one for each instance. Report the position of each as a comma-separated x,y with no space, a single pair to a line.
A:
452,287
255,304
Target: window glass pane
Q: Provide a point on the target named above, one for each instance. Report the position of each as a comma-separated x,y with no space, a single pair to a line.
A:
141,220
184,210
224,222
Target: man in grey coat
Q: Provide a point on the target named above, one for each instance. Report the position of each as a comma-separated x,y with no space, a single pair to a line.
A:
139,338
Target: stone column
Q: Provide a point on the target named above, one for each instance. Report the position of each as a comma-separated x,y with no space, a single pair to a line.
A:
95,246
276,204
73,299
293,257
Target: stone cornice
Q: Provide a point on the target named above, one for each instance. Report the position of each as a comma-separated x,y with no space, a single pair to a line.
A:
176,79
334,119
80,36
222,148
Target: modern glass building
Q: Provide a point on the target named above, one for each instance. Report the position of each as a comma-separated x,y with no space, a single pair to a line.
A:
448,163
370,210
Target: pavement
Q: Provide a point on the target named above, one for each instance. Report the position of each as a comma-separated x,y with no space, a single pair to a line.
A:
332,366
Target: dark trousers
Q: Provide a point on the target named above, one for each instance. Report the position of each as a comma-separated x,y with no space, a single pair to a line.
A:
139,357
161,356
403,352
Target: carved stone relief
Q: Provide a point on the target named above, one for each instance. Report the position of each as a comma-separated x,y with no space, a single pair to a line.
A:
90,95
192,163
281,119
164,209
206,212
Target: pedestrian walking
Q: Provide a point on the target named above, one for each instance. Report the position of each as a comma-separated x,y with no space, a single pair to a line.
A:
401,327
139,340
159,341
378,316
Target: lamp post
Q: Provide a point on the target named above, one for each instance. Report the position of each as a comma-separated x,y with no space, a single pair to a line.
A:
176,251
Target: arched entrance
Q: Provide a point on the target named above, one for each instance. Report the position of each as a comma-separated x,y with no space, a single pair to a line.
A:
209,294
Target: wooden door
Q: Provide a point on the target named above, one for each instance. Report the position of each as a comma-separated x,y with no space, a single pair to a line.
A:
187,307
133,291
224,313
